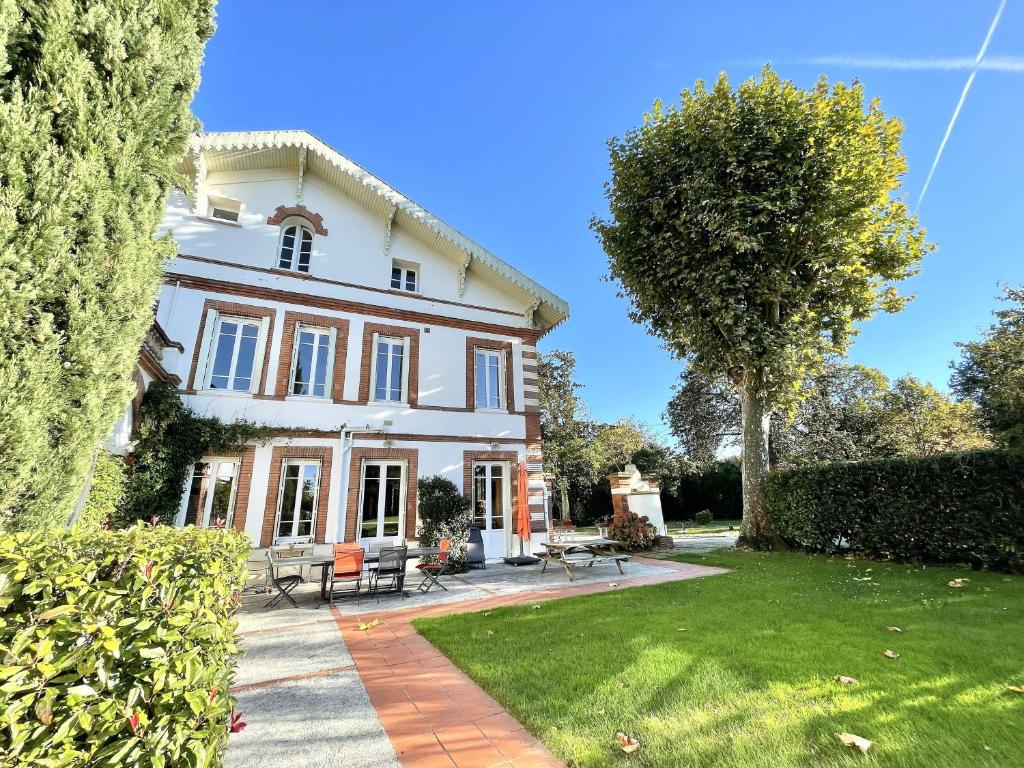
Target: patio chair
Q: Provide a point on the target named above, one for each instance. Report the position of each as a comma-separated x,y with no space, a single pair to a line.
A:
475,549
348,568
391,567
283,584
432,570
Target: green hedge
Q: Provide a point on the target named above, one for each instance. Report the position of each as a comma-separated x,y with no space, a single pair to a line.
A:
117,646
953,508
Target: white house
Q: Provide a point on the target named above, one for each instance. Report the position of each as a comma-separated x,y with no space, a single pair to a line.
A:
311,296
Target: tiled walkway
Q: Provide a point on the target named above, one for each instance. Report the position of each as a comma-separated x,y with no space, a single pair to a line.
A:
434,715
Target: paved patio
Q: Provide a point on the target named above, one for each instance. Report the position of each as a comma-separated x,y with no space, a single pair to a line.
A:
316,691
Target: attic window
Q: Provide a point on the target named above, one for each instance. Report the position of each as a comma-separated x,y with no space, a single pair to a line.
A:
223,208
404,275
296,247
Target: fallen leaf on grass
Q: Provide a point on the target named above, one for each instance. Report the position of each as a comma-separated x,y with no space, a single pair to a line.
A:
364,626
892,654
536,607
681,629
1015,689
627,744
613,583
958,582
846,680
600,711
487,614
894,629
490,631
866,578
853,740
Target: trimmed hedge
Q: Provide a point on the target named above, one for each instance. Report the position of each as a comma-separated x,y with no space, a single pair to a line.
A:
952,508
117,646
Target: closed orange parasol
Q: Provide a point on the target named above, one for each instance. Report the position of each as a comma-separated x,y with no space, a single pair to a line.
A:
523,518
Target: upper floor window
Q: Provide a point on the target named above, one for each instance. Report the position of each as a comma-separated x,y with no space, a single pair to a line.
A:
223,208
488,379
235,342
311,368
296,247
390,375
403,275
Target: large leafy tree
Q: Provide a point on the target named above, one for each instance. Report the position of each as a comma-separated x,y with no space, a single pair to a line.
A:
703,415
94,116
921,421
750,229
563,424
991,372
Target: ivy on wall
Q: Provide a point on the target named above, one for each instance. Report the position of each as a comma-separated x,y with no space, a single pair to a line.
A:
171,439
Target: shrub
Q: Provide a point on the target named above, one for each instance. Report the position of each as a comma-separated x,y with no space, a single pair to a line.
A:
106,491
704,517
445,513
94,118
631,531
951,508
118,645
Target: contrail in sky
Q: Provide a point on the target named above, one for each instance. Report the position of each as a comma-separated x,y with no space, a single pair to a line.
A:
960,104
1012,64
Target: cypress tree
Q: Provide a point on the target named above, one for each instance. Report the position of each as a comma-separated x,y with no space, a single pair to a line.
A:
94,117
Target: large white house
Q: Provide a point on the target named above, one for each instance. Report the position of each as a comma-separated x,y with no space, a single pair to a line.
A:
311,296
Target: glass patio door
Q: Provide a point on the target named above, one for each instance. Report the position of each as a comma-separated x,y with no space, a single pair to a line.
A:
382,504
491,507
297,501
211,494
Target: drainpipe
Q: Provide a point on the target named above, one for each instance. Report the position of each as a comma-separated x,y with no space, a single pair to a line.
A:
346,438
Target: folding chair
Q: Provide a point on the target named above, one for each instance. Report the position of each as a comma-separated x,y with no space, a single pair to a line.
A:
390,566
284,584
431,571
348,567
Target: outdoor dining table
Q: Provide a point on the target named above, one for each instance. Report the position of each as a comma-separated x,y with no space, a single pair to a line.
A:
585,552
414,553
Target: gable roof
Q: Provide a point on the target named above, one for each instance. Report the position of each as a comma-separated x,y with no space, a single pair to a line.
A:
252,150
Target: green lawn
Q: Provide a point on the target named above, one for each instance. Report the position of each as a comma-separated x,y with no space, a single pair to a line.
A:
750,683
715,526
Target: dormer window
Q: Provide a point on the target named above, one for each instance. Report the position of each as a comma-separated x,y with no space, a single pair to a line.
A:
404,275
296,247
223,208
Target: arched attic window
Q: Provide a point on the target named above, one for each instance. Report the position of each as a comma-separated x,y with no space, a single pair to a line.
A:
296,245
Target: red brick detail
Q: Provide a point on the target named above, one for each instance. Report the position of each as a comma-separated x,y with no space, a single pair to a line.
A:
239,310
413,334
468,457
277,458
313,301
244,486
411,458
284,364
473,343
283,212
532,427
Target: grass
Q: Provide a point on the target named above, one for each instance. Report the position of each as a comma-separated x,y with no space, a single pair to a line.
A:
750,683
715,526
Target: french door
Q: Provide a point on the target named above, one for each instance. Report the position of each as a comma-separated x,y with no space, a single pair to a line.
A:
297,501
382,500
492,510
211,495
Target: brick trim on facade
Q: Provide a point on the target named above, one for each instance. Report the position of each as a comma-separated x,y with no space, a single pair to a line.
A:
284,364
505,347
240,310
283,212
365,364
279,454
410,456
242,493
512,457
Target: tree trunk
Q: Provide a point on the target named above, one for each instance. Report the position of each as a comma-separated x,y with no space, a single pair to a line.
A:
757,530
562,486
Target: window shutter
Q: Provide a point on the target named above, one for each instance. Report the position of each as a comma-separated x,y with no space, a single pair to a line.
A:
332,343
261,349
371,395
406,344
502,394
206,351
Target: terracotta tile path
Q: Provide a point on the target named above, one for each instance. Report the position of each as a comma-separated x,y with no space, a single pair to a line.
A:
435,716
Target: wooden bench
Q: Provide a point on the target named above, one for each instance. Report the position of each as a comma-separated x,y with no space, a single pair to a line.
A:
584,554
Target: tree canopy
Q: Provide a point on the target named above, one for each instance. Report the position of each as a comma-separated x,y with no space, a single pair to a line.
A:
751,228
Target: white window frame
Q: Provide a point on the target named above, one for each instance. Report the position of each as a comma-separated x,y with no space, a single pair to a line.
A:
332,339
403,497
300,225
203,519
406,346
405,268
502,387
295,539
208,350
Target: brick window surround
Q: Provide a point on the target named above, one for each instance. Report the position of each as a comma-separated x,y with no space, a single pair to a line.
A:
278,456
355,475
505,347
284,364
283,212
237,310
511,457
397,331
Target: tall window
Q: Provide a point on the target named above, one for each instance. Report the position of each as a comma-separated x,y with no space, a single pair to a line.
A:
234,354
403,277
382,511
300,486
296,247
489,496
212,493
389,370
489,378
311,368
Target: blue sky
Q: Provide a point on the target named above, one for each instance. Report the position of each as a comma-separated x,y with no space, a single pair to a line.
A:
495,117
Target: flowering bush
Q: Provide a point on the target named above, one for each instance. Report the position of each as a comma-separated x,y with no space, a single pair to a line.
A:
118,646
632,531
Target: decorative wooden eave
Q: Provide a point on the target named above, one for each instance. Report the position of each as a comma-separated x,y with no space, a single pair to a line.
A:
250,150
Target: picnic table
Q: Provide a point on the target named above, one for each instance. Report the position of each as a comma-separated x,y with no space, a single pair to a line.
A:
582,552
